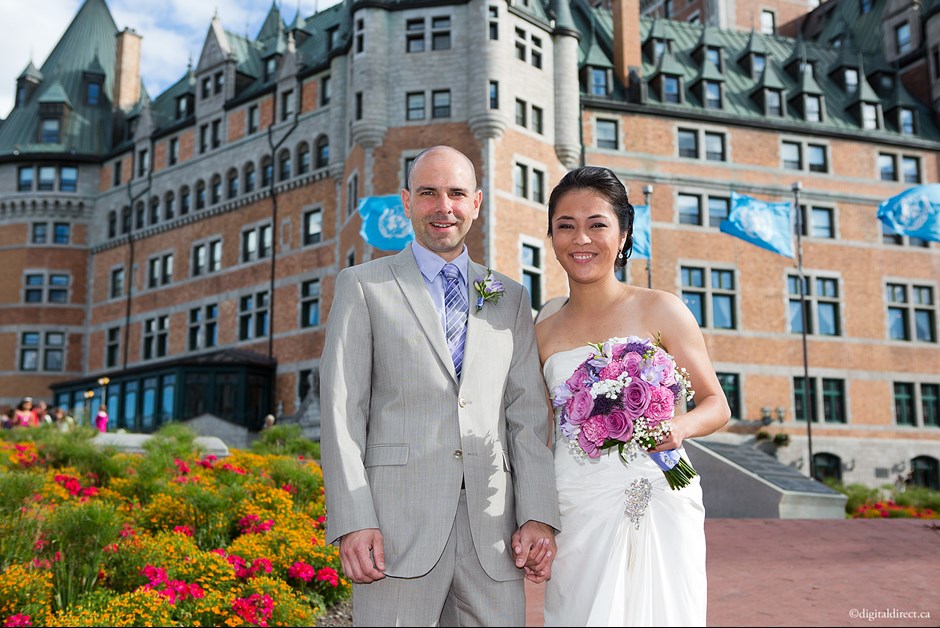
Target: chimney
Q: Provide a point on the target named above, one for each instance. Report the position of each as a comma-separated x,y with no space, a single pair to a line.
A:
627,45
127,70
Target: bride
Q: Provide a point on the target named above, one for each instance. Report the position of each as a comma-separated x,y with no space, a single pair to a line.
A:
626,557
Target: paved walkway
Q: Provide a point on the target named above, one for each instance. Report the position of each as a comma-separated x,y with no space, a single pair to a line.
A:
800,572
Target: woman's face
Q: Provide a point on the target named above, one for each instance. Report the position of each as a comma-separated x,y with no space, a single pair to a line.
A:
586,235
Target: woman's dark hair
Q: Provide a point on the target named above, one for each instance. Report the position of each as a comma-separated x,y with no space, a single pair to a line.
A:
604,183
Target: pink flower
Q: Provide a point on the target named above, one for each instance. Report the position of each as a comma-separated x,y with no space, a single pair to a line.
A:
595,430
301,571
612,370
619,426
328,574
665,366
578,379
580,406
632,362
661,405
17,620
184,530
636,398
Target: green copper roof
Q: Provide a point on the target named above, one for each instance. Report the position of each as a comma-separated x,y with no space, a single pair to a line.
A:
770,78
272,24
54,94
31,71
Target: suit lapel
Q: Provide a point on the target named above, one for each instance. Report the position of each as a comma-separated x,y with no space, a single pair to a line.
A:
411,282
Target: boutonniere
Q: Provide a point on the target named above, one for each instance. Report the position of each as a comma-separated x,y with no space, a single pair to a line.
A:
488,289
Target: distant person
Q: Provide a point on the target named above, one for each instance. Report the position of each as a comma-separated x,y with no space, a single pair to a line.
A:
269,421
24,415
101,419
63,421
7,418
41,410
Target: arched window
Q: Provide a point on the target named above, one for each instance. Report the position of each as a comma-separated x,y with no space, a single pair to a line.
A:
185,200
169,206
925,471
200,194
216,189
303,158
284,161
267,171
154,210
112,223
125,220
323,151
140,215
232,188
828,466
249,178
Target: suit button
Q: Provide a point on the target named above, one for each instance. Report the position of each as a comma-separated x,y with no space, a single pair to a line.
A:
458,453
462,402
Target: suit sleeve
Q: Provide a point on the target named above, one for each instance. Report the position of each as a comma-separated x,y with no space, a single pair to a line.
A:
527,420
345,387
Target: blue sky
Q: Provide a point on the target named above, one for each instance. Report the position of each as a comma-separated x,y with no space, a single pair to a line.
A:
172,30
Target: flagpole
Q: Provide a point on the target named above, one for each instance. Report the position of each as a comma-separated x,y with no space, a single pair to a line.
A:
647,197
807,411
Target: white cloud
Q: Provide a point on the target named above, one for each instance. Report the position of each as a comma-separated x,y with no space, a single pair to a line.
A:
172,31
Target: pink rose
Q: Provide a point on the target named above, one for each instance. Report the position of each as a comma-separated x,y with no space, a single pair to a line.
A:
665,365
592,436
636,398
619,425
580,406
661,406
578,379
632,363
612,370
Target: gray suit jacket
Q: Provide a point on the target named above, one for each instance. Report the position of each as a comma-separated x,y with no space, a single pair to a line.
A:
400,433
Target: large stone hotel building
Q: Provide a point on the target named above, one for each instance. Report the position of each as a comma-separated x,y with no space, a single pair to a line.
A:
176,252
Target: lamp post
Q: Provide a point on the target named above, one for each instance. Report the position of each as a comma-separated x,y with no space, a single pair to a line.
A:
103,383
88,395
647,198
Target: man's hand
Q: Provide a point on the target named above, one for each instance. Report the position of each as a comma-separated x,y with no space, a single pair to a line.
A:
533,549
363,555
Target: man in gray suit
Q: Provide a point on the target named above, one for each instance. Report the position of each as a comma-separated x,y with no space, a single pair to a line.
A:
440,487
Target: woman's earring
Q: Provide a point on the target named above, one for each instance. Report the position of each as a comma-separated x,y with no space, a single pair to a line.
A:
621,255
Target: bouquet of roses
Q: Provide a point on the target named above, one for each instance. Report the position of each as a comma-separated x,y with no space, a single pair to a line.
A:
623,396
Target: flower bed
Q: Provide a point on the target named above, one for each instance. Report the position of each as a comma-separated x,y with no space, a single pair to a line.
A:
98,538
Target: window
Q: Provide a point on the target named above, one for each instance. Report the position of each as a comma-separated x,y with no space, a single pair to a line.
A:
61,233
537,120
713,54
531,260
910,169
284,162
49,131
116,174
904,409
791,155
768,22
414,106
494,94
68,179
203,138
206,87
440,104
126,220
494,23
216,190
323,151
712,95
287,104
253,316
254,119
117,283
671,89
528,48
216,133
310,303
688,143
599,85
49,345
850,78
865,6
303,158
46,178
521,180
906,121
521,111
360,35
267,171
911,306
112,223
718,209
887,167
112,346
902,38
520,44
358,106
817,222
822,316
538,186
607,134
249,178
160,270
270,68
332,37
326,90
25,178
710,295
143,162
758,63
200,194
869,116
535,54
207,257
816,158
930,404
156,331
232,187
714,146
169,206
732,389
690,209
40,233
184,201
182,107
352,194
813,106
46,287
313,226
218,82
204,327
154,210
256,243
414,35
92,93
833,400
440,33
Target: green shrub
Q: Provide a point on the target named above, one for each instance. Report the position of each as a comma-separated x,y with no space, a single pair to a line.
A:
286,440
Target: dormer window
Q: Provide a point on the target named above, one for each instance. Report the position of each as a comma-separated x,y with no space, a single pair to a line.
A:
869,113
49,131
270,67
865,6
906,124
756,62
22,93
851,80
773,102
713,54
92,93
902,38
332,37
812,108
600,86
660,47
670,89
182,106
712,94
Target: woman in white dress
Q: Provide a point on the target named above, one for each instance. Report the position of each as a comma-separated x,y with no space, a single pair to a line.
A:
631,551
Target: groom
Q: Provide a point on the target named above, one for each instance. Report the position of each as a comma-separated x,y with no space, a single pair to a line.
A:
439,484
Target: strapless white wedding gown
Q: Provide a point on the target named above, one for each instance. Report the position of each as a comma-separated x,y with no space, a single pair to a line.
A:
631,551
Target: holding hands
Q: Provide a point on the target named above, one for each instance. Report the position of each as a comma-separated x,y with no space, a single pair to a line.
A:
533,549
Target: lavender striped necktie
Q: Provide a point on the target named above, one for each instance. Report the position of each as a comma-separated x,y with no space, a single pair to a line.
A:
455,315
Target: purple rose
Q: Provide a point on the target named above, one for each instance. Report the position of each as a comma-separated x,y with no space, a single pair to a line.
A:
578,379
580,406
632,362
619,425
636,398
661,405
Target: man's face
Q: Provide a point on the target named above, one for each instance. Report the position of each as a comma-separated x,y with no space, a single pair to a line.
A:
442,202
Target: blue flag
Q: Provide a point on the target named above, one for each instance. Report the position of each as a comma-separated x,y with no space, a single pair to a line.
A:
764,224
384,224
914,212
642,245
